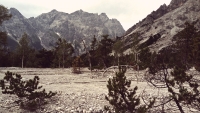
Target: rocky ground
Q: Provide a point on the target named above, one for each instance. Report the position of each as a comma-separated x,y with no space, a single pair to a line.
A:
77,93
83,92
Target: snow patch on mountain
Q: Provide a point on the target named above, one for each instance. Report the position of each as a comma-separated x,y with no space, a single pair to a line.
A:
58,34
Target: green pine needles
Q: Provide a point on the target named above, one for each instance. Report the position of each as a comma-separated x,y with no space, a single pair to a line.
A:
30,95
122,98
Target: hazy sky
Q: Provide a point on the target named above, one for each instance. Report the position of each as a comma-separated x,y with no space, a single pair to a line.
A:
128,12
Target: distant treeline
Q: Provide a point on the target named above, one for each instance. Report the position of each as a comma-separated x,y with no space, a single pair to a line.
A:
104,53
62,55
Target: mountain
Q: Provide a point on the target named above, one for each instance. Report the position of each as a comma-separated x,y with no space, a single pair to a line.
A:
44,30
16,26
165,22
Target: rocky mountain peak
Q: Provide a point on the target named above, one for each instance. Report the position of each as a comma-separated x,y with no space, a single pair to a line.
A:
175,4
54,11
166,21
162,10
104,17
178,2
15,12
45,29
78,12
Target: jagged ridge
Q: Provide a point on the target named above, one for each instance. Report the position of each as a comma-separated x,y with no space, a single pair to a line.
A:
162,10
45,29
166,21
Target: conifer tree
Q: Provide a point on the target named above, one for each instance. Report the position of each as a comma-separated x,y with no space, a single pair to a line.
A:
145,57
63,50
29,93
118,50
184,43
94,44
183,87
45,58
103,50
195,51
23,50
122,98
4,15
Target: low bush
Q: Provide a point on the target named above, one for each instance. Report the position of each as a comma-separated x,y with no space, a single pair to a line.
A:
30,96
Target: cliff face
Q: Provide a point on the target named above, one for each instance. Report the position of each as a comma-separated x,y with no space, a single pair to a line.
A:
16,26
45,29
175,4
162,10
166,21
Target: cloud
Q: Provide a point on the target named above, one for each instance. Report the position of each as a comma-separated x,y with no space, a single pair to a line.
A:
128,12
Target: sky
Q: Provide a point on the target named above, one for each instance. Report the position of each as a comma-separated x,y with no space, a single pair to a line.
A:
127,12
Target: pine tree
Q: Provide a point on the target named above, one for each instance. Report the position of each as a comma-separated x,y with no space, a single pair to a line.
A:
44,58
122,98
24,49
182,86
4,15
184,43
63,50
145,57
94,44
29,93
103,51
118,50
195,51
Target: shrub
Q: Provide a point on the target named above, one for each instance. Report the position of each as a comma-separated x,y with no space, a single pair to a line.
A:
29,93
122,98
76,65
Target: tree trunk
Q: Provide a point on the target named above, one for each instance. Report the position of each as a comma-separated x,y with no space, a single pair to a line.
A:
89,60
103,63
79,67
173,93
118,60
59,63
89,55
177,102
63,61
23,61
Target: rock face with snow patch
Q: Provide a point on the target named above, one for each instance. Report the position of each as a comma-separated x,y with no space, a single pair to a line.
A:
166,21
44,30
